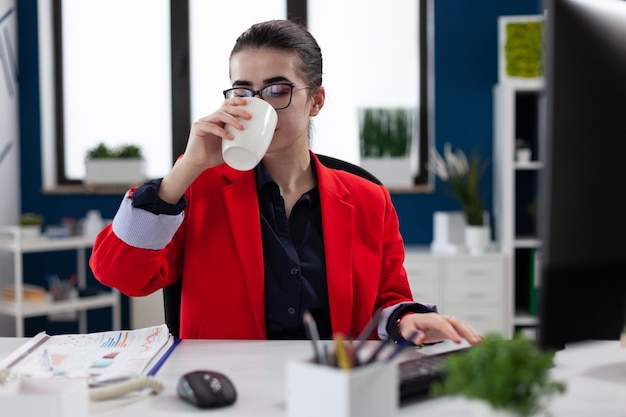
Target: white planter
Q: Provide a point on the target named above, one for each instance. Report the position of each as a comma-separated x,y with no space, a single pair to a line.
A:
30,232
391,171
477,239
115,171
523,155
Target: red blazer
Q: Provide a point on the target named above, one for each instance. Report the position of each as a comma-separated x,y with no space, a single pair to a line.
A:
218,251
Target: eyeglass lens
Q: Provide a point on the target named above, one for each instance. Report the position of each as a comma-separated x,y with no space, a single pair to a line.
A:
278,95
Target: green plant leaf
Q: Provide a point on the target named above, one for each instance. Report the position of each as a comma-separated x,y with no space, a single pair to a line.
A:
102,151
507,374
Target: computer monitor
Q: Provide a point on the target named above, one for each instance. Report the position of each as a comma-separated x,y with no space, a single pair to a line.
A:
582,206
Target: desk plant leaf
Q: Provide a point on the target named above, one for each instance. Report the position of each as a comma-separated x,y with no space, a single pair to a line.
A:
508,374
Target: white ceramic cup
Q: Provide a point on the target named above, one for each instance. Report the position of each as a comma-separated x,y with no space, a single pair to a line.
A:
249,145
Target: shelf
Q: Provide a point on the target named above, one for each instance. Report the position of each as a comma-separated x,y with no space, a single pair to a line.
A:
525,319
517,106
12,241
45,244
530,166
51,307
527,242
525,84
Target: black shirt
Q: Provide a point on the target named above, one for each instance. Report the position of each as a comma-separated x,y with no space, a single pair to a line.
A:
295,267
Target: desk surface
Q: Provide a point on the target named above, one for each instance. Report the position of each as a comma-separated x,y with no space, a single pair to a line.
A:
595,373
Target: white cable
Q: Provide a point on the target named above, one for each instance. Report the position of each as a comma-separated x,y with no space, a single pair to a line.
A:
123,388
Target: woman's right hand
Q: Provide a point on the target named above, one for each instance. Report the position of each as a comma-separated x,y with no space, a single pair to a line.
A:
204,146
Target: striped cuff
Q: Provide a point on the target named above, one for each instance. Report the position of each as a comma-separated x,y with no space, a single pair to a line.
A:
142,229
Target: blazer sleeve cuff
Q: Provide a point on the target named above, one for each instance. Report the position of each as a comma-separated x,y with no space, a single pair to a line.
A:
143,229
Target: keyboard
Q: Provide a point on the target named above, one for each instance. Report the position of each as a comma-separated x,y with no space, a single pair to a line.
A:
418,374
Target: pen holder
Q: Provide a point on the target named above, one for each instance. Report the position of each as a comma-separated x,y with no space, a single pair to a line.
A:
315,390
47,397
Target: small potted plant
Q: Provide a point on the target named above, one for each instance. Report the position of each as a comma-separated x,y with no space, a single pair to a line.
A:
385,141
123,165
30,225
502,375
523,152
463,175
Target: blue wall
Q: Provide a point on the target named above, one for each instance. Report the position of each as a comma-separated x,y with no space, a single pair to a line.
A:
466,69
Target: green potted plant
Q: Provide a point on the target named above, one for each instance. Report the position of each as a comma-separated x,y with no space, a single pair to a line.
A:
385,139
523,152
30,225
508,375
122,165
463,175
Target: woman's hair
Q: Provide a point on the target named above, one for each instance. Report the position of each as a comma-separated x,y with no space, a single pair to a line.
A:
290,36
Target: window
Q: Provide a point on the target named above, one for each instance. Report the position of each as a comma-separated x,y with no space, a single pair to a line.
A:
115,81
373,61
210,45
117,85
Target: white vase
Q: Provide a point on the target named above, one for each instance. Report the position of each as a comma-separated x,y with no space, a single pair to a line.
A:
523,155
93,224
477,239
30,231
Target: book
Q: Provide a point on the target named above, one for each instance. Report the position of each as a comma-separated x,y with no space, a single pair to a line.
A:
30,293
97,356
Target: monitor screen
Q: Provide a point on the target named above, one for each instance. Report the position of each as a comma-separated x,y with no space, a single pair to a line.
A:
582,209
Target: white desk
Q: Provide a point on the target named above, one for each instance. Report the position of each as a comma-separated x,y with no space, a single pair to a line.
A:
595,374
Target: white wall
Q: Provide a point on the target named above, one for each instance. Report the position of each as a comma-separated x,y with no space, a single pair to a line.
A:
9,140
147,311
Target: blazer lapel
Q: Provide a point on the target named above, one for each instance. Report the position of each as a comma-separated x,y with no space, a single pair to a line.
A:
338,235
242,208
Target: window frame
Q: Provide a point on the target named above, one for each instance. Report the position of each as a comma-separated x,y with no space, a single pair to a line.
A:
181,86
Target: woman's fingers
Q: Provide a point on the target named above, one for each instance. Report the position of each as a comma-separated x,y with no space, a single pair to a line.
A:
434,327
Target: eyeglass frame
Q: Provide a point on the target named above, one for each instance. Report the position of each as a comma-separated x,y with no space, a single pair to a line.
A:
255,92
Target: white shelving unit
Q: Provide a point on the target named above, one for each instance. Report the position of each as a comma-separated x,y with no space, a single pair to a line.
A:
475,288
11,241
516,186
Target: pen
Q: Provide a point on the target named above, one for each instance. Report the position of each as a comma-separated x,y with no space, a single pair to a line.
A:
379,349
366,332
48,359
311,330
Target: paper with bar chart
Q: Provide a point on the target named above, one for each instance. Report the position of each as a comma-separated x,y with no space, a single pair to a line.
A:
103,355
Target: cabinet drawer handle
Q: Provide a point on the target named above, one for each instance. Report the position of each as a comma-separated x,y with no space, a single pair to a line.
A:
474,318
476,272
475,294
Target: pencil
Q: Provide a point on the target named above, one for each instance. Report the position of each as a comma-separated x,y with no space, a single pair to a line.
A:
311,330
341,352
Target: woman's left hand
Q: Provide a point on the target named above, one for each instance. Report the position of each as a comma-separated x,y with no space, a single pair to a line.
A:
433,327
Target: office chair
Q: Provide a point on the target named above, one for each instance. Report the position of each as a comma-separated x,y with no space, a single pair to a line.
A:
172,293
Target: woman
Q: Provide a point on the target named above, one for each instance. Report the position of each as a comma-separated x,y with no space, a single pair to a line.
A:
257,249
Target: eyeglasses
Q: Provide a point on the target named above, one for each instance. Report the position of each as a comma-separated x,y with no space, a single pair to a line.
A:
278,95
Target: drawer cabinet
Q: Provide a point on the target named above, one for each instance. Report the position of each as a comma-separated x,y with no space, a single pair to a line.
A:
474,288
424,279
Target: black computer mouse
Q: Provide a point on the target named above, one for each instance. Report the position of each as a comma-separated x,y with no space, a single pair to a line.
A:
206,389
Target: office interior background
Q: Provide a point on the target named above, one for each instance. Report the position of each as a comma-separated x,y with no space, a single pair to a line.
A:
465,71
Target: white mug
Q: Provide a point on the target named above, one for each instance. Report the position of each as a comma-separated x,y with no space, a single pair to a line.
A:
249,145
